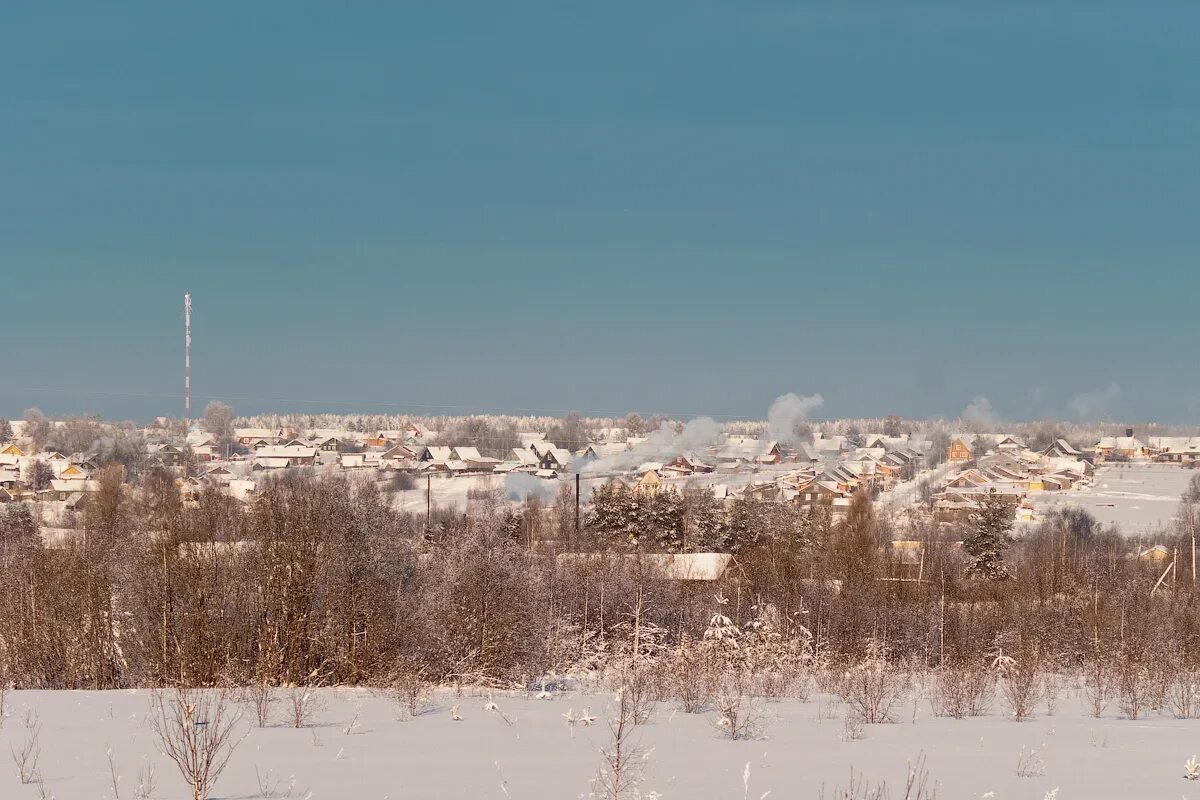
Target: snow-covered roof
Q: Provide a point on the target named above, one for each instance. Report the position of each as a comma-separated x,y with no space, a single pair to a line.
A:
271,462
285,451
523,457
665,566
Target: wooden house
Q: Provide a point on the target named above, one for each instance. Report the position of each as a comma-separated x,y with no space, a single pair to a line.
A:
649,485
959,450
12,449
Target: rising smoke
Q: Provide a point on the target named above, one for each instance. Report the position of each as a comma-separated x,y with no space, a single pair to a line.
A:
980,412
788,416
661,445
520,485
1095,406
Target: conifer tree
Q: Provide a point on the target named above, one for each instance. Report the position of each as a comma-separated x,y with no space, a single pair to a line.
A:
989,536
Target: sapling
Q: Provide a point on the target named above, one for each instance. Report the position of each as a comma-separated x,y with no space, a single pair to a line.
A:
261,695
26,755
147,782
304,705
353,724
623,760
1030,763
196,729
114,777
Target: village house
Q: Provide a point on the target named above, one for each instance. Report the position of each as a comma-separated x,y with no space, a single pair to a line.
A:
203,446
554,458
649,485
1119,448
686,465
1061,448
279,456
435,454
1183,450
401,456
1009,443
168,455
519,460
13,450
959,450
360,461
822,492
329,444
474,461
249,437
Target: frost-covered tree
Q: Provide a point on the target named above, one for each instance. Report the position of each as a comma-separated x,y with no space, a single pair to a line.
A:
614,515
124,446
634,425
662,521
491,438
939,440
37,427
38,475
572,433
989,536
6,432
1192,493
703,520
218,421
75,435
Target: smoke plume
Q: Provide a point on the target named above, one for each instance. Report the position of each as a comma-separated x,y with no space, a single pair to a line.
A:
1095,406
661,445
980,412
787,415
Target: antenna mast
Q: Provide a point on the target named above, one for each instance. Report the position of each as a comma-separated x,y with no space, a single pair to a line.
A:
187,361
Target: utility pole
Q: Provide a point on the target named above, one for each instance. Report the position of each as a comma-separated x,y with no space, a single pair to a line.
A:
576,542
428,501
187,362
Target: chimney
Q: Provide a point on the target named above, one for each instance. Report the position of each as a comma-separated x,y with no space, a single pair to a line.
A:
1129,432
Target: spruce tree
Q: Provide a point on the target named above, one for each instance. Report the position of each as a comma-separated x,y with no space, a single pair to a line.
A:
989,536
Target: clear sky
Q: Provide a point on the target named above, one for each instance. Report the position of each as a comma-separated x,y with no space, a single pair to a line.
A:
680,207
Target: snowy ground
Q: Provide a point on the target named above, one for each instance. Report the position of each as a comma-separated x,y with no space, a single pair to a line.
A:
536,757
1137,497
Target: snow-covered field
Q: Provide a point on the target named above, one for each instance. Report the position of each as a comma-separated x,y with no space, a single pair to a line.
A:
1136,497
537,757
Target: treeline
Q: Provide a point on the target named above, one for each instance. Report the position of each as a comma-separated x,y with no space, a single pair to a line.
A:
322,582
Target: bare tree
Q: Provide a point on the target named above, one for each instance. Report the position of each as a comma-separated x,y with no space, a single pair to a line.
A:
195,728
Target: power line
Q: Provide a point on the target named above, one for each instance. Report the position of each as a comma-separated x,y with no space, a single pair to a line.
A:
467,410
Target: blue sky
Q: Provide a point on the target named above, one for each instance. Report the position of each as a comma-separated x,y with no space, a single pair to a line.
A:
683,207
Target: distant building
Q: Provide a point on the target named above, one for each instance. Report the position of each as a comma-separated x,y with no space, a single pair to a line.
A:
959,450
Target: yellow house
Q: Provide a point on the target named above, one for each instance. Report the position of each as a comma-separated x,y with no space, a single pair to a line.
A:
649,484
1154,555
72,472
11,449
